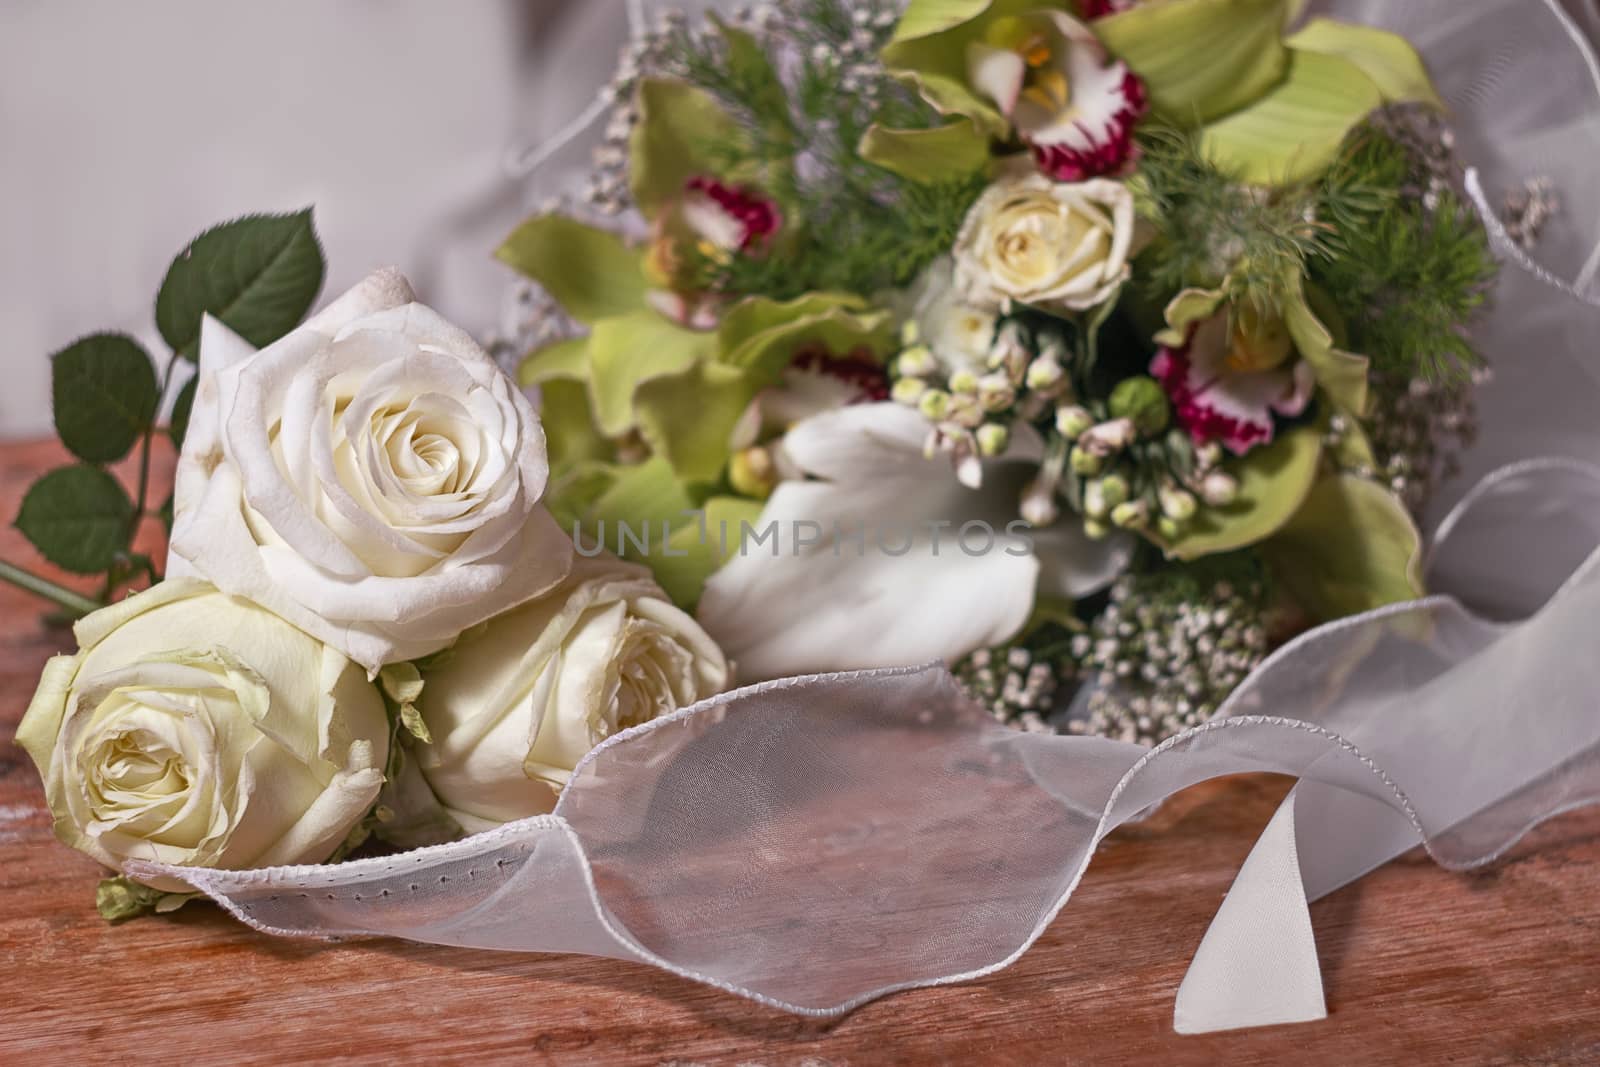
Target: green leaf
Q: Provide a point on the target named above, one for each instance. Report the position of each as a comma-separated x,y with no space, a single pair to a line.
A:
628,350
930,47
943,154
928,18
561,360
677,137
104,394
78,517
696,553
258,275
1274,481
762,335
1388,59
689,417
1352,547
1342,375
590,272
571,435
120,898
1294,132
1200,59
178,425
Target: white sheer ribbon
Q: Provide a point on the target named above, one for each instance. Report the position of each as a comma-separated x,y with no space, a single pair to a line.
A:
820,841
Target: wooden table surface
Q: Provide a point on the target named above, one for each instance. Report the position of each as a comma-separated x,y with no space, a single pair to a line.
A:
1420,965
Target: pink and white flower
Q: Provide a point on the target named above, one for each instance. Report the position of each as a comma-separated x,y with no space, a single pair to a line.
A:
1050,76
715,221
730,218
1221,391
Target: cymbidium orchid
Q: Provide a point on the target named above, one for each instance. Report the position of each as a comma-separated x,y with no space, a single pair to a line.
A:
711,221
1229,374
816,381
1050,76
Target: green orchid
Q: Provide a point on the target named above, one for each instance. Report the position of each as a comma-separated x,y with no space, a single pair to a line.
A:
641,378
1271,106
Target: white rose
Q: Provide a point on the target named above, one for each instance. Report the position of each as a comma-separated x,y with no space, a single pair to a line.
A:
1056,246
193,728
514,706
373,477
959,335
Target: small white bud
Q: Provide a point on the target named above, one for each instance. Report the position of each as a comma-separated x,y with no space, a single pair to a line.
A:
908,391
963,381
1219,489
1044,374
993,438
1177,504
1132,515
995,392
1072,421
1039,503
934,404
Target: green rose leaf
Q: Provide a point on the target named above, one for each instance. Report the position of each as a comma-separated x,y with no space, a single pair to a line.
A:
178,425
942,154
1201,59
258,275
590,272
78,518
1350,548
1274,481
678,136
1294,132
104,394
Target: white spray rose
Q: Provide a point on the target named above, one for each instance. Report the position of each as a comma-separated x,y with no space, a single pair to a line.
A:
373,477
195,729
515,705
1057,246
959,335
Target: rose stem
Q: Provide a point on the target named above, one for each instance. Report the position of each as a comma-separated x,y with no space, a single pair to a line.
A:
75,603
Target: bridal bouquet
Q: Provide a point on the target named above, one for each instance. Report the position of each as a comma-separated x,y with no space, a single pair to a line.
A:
1104,350
1092,347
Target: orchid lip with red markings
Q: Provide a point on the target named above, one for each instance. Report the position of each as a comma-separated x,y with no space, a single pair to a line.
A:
756,217
1215,403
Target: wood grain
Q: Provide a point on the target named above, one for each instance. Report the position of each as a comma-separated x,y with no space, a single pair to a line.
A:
1421,965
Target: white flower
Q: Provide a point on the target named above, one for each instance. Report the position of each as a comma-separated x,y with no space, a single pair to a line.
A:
372,477
516,704
959,335
195,729
920,583
1032,241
